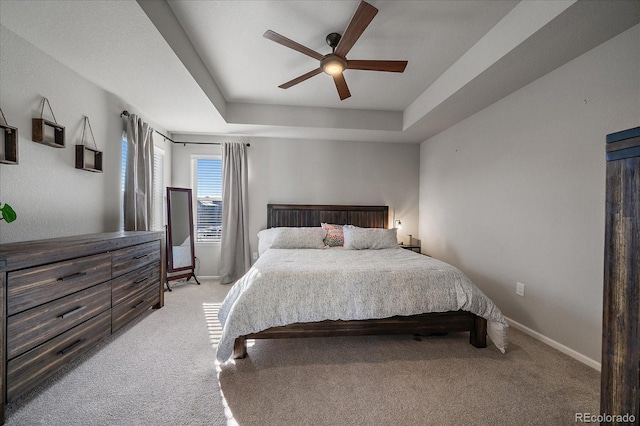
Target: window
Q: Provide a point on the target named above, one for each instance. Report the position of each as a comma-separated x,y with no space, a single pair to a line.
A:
159,193
206,181
159,198
123,176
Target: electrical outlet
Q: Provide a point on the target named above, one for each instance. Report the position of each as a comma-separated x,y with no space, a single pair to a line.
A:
255,256
520,289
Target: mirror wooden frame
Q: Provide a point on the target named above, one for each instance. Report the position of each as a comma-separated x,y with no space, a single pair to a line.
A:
186,271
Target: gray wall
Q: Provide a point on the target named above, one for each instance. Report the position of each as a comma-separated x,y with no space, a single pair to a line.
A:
517,192
328,172
314,172
52,197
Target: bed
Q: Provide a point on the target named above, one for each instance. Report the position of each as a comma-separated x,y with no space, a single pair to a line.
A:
319,292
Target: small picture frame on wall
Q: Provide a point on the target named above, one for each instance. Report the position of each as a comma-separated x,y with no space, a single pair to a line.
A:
47,132
88,159
8,142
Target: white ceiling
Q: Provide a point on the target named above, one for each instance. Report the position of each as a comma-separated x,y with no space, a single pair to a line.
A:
249,68
203,67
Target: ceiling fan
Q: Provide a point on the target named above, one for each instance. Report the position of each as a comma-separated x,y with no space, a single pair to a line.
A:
336,62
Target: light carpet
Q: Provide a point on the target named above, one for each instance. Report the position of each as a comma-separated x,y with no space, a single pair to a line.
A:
161,371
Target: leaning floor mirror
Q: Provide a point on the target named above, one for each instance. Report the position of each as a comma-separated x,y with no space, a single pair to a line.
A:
181,259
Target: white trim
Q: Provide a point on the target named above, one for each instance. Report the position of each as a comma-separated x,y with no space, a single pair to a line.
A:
206,156
207,277
556,345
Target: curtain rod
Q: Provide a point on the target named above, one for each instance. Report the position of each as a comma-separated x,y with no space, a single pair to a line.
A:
125,113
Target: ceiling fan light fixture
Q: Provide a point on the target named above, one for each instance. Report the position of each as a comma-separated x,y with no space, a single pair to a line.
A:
333,64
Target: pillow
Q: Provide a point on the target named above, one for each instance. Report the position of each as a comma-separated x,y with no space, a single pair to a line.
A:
334,236
265,239
299,238
369,238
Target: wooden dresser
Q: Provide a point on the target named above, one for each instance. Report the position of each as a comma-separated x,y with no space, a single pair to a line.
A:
60,296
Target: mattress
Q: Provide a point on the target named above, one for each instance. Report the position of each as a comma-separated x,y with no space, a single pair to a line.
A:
287,286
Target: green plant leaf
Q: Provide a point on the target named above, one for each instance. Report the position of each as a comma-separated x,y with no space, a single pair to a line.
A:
8,213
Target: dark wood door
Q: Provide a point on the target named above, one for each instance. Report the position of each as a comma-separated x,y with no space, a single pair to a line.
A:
621,329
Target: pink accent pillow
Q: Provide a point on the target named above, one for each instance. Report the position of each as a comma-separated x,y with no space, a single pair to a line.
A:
334,236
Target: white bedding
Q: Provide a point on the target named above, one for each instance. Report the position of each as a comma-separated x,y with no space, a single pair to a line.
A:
286,286
181,256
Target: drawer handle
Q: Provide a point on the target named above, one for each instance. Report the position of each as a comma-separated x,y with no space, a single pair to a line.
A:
142,255
73,276
140,303
73,311
141,280
70,347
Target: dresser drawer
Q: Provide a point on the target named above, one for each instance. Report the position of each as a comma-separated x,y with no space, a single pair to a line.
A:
134,257
28,329
34,286
127,285
133,306
30,368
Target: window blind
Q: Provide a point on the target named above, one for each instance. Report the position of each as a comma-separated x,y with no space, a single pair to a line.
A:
159,198
123,176
157,220
206,180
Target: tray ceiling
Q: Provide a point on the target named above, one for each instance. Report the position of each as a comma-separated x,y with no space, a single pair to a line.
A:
203,67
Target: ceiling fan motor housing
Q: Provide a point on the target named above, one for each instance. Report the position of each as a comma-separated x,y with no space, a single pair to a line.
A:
333,39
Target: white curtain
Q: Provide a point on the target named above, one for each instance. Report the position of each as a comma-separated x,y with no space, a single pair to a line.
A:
235,258
138,190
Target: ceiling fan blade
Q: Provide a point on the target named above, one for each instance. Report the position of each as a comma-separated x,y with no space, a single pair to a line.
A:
341,85
360,21
300,79
388,66
280,39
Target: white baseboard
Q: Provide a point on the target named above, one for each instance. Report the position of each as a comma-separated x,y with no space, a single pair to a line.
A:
206,277
556,345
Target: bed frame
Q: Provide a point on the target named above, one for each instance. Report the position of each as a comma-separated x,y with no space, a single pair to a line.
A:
296,215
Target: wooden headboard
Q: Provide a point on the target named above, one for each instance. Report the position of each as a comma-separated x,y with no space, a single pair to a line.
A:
296,215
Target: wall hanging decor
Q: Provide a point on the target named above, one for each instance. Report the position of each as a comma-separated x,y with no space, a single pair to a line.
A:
88,159
8,142
47,132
